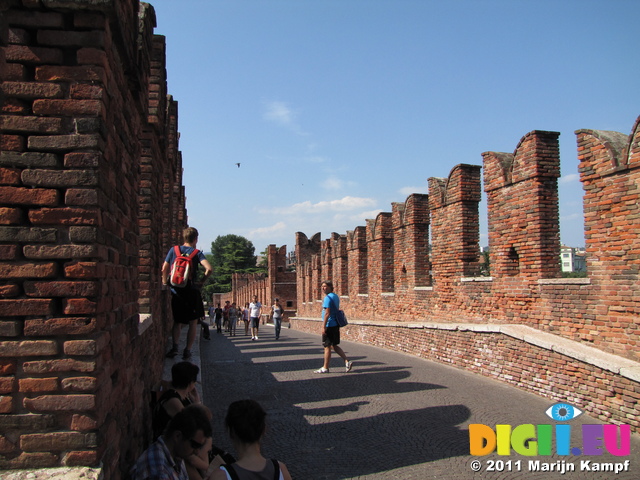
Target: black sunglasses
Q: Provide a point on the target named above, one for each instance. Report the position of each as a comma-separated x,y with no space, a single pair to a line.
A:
196,445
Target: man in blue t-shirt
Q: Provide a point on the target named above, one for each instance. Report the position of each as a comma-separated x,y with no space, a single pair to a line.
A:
186,302
330,328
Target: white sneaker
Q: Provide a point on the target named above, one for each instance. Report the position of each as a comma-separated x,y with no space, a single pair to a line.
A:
253,338
348,366
321,370
256,337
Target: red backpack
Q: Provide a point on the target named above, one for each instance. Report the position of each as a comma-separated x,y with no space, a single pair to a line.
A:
182,267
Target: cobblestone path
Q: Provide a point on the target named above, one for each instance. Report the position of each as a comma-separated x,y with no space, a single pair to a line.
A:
393,417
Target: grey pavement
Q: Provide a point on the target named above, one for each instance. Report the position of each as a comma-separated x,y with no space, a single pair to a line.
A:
395,416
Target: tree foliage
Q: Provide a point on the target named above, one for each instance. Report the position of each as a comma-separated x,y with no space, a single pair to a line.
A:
229,254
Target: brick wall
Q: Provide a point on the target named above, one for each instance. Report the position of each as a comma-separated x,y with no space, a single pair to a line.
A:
278,283
402,282
91,197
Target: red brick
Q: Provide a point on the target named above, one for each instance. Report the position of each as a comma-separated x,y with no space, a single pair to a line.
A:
15,143
64,216
7,366
24,124
34,55
6,404
30,461
93,56
59,326
38,385
84,91
82,270
79,384
67,107
29,159
15,71
6,446
10,328
65,142
81,197
28,196
7,385
27,270
56,441
61,289
46,252
60,403
9,291
8,252
25,307
79,306
70,74
10,216
32,90
28,348
82,423
9,176
80,458
56,366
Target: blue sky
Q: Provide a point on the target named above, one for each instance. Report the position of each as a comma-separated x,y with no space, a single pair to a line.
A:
337,108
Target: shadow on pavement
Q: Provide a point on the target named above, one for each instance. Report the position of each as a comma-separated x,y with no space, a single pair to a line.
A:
335,425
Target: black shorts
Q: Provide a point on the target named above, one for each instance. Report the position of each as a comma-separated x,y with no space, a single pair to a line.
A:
255,322
186,305
332,337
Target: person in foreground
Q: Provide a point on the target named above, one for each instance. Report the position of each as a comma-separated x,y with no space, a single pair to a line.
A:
331,329
245,422
185,435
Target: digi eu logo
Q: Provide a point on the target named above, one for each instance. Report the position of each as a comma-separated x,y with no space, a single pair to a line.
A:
533,440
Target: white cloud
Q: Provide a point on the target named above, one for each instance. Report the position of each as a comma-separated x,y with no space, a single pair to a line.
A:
339,205
571,178
316,159
279,227
337,183
357,217
281,114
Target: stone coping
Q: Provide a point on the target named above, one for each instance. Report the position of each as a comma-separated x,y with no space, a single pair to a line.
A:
62,473
549,341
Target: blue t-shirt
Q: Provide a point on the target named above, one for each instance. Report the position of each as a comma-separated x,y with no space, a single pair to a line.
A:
331,301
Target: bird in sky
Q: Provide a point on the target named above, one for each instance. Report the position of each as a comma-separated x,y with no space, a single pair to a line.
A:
238,165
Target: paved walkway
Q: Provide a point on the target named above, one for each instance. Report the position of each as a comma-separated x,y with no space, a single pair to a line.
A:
393,417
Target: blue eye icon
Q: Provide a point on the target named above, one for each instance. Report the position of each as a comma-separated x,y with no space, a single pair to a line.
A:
563,412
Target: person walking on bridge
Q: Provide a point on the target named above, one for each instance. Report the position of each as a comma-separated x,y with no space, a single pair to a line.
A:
186,301
331,329
255,312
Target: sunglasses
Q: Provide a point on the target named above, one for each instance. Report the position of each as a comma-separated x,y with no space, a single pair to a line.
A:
196,445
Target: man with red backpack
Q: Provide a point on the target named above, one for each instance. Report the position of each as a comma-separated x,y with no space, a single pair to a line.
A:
179,272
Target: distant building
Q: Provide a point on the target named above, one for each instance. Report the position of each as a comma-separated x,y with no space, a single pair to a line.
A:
573,259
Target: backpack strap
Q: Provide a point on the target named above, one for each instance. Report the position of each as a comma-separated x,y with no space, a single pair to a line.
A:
232,473
191,256
276,469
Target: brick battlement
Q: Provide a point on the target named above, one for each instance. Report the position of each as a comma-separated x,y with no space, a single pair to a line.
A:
389,274
91,198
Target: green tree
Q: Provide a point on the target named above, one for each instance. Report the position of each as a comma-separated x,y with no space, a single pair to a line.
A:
229,254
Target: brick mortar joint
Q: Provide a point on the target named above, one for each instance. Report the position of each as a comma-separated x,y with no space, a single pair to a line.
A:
624,367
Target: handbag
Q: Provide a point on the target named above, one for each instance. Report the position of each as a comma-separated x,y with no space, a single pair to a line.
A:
341,318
